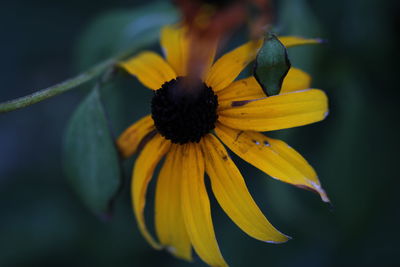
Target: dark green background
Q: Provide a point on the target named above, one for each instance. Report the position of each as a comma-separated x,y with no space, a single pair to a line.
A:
355,150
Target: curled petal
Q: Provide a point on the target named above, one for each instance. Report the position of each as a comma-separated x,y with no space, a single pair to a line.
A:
274,157
142,174
232,194
129,140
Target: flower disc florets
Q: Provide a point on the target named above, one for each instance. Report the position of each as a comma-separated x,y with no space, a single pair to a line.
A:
183,111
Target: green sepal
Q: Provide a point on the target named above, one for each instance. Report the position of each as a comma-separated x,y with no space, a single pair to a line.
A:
272,65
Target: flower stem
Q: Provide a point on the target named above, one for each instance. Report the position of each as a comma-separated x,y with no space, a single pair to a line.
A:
54,90
64,86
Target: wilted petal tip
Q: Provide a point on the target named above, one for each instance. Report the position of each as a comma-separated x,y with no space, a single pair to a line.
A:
171,249
320,191
279,242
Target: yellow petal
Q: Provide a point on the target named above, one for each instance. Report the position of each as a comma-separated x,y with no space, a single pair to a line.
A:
276,112
244,89
150,69
175,44
295,80
249,88
196,206
290,41
274,157
142,174
179,51
170,227
130,139
231,192
228,67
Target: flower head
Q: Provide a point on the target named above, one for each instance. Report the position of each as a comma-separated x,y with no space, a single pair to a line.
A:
180,129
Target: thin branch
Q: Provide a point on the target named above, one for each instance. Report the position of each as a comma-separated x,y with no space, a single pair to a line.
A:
55,89
64,86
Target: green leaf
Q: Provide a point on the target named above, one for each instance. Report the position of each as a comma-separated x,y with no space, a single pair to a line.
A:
90,156
272,65
121,29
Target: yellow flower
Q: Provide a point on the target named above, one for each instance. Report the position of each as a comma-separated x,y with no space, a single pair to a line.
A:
180,128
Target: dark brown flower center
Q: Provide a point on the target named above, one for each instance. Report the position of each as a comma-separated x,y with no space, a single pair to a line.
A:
183,111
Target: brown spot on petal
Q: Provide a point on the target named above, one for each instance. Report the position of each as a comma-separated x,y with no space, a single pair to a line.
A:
238,135
244,102
255,142
239,103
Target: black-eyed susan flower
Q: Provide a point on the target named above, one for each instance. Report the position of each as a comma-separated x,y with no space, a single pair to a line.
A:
188,125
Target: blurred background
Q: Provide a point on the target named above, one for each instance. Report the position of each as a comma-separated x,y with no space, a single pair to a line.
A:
354,151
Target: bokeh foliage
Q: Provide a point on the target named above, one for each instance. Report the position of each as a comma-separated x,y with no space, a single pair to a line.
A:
44,223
